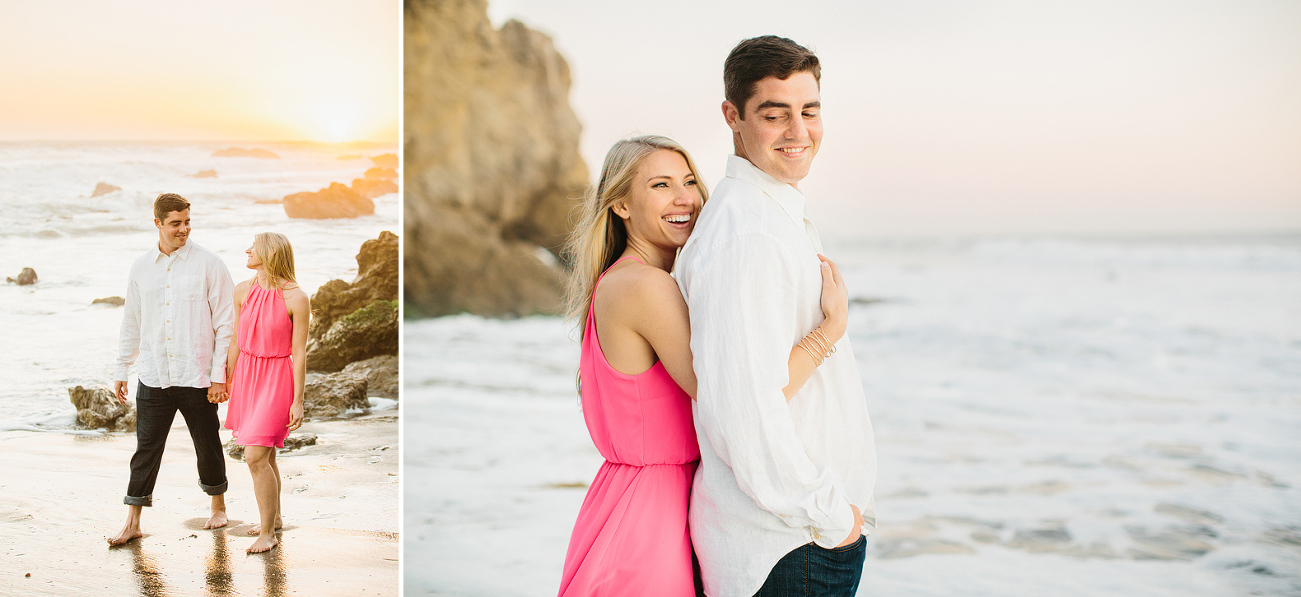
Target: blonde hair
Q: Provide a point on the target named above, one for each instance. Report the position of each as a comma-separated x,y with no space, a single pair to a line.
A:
600,236
277,257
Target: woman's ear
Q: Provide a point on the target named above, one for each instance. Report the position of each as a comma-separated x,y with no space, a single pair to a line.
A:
620,209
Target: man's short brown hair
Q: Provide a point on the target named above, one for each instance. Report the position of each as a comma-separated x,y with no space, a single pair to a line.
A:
757,58
167,203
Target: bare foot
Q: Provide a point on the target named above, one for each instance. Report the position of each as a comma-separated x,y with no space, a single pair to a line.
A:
129,532
263,544
217,520
257,530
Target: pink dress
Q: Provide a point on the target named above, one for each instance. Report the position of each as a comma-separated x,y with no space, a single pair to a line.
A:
631,537
263,389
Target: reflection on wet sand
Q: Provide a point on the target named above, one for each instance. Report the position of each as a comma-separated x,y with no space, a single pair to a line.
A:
148,573
275,577
218,571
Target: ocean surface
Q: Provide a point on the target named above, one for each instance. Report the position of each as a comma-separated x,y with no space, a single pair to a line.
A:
1053,416
82,247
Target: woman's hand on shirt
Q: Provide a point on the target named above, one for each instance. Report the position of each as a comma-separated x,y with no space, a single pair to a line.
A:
835,301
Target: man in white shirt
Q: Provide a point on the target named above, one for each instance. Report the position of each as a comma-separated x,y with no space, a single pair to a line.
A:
783,497
179,313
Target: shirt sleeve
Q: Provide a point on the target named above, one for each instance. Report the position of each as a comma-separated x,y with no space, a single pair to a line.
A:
741,300
128,338
221,299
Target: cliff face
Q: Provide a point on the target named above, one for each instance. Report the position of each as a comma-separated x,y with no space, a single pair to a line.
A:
491,162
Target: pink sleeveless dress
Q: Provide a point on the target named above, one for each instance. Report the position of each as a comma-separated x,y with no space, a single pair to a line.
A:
263,389
631,536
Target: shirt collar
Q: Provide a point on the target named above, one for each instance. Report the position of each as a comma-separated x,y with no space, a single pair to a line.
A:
182,253
790,199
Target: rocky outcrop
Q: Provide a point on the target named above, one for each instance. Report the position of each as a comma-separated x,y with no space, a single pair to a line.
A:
335,201
371,189
25,277
237,152
377,280
385,160
104,188
203,174
292,442
492,167
378,173
368,332
98,408
381,375
115,301
330,395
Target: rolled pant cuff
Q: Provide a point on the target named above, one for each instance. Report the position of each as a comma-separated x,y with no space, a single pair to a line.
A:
147,501
214,489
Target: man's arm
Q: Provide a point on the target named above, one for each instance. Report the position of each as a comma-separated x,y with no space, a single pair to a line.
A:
742,305
128,339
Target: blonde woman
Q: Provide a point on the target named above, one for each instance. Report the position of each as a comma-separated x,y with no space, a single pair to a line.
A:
635,373
268,364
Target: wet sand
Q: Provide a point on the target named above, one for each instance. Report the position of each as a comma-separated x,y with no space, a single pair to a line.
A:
61,495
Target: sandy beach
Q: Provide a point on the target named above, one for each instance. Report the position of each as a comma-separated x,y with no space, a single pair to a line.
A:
62,494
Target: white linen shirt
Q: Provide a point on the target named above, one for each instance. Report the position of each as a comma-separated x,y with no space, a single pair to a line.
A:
179,312
773,476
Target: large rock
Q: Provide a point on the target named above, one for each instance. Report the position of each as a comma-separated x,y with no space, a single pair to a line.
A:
369,332
104,188
377,280
98,408
385,160
203,174
25,277
330,395
492,162
380,174
237,152
381,375
335,201
371,189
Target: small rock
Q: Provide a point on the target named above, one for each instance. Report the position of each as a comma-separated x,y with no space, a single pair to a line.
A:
25,277
380,174
116,301
332,394
204,174
236,152
293,442
98,408
104,189
386,160
381,375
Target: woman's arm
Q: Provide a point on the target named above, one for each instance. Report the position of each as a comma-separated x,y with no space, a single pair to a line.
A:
300,310
232,351
655,310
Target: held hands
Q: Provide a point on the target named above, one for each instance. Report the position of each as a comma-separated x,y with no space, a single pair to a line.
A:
295,415
217,393
835,301
858,528
119,390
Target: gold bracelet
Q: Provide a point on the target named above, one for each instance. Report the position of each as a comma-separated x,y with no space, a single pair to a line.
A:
816,361
825,340
813,338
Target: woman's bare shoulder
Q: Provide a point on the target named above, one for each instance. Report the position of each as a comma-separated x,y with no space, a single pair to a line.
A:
640,289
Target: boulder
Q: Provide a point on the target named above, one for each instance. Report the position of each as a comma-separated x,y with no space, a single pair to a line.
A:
377,280
237,152
292,442
492,168
371,189
385,160
380,174
330,395
335,201
116,301
103,188
25,277
381,375
368,332
98,408
204,174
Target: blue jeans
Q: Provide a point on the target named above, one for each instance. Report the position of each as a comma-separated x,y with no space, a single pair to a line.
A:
155,410
812,571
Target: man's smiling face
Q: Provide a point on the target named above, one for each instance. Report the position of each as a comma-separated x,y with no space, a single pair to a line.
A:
782,128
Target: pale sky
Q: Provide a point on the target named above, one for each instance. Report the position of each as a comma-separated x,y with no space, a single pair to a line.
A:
973,117
322,70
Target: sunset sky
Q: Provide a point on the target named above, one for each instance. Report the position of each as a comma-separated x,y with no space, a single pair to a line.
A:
319,70
984,116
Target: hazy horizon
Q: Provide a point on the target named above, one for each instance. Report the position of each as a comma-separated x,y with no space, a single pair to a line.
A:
976,118
240,71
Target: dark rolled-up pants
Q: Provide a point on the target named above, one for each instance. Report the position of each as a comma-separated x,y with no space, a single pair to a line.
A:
155,410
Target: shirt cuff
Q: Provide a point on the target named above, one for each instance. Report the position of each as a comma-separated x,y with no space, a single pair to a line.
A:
830,537
121,373
218,374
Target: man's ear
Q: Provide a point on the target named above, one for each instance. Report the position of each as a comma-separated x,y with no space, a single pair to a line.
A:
732,116
158,223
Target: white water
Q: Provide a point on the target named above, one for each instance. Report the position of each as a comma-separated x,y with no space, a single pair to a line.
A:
1053,417
82,247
